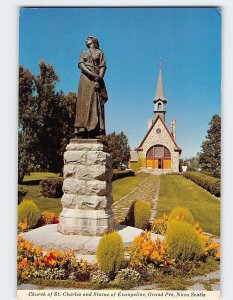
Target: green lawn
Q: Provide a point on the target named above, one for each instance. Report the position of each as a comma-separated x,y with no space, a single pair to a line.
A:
177,191
123,186
31,183
39,176
120,188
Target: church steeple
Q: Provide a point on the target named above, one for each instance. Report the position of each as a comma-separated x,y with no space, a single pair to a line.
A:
159,99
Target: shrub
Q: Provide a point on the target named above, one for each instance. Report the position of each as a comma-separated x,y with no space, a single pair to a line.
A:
127,278
209,183
159,225
21,193
183,241
99,279
28,212
52,187
122,174
142,214
181,214
212,174
110,253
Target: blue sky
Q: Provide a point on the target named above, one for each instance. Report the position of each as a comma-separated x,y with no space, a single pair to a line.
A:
134,39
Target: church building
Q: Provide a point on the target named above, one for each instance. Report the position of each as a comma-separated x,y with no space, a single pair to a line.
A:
158,151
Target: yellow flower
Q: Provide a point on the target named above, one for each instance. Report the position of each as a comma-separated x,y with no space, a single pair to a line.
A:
158,241
38,250
155,255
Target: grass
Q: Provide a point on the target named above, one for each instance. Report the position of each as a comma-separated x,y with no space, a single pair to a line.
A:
31,184
39,176
121,187
177,191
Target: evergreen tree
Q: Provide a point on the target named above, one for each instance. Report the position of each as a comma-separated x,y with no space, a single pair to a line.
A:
118,147
210,155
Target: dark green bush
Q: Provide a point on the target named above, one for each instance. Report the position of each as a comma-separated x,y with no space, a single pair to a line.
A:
29,212
52,187
209,183
122,174
21,193
110,253
184,242
142,214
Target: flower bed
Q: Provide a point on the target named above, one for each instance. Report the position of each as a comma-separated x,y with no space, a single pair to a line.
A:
149,260
33,263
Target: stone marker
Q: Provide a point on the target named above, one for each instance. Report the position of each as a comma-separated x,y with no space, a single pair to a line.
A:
87,189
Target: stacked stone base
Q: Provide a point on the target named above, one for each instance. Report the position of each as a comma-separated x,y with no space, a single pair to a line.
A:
86,222
87,189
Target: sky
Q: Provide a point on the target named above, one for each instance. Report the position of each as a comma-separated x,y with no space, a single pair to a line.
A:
188,40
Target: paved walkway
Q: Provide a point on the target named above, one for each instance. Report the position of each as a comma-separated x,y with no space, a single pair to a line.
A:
147,190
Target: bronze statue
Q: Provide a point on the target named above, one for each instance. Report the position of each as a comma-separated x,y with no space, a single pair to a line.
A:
92,93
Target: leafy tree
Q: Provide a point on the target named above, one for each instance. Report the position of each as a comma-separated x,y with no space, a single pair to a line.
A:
49,112
27,137
118,147
46,119
210,155
67,126
192,163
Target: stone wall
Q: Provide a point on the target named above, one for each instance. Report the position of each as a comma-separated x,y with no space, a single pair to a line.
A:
162,138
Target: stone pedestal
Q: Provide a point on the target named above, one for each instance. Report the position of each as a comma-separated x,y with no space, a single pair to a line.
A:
87,189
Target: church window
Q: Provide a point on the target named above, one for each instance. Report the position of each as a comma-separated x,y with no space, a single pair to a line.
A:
158,151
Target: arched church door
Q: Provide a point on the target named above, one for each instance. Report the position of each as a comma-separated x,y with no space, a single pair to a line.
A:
158,157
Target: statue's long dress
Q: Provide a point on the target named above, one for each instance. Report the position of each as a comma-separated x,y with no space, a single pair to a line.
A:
90,102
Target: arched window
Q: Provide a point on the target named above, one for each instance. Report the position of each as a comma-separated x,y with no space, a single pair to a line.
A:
159,106
158,157
159,151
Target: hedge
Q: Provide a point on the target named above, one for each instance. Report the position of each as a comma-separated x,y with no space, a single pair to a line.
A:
210,184
21,193
122,174
52,187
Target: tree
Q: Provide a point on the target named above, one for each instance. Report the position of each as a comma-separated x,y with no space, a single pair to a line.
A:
118,147
210,155
192,163
46,119
67,126
27,137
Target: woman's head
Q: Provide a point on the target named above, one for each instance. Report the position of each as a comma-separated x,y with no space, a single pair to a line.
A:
92,39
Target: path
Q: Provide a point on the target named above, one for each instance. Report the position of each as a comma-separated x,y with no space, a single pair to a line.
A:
147,190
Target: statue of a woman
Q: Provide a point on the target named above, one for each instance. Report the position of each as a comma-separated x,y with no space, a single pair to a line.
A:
92,93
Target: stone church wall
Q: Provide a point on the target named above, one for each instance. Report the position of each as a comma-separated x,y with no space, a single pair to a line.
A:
162,138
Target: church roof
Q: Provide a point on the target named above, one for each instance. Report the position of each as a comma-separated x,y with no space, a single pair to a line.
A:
159,91
158,117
